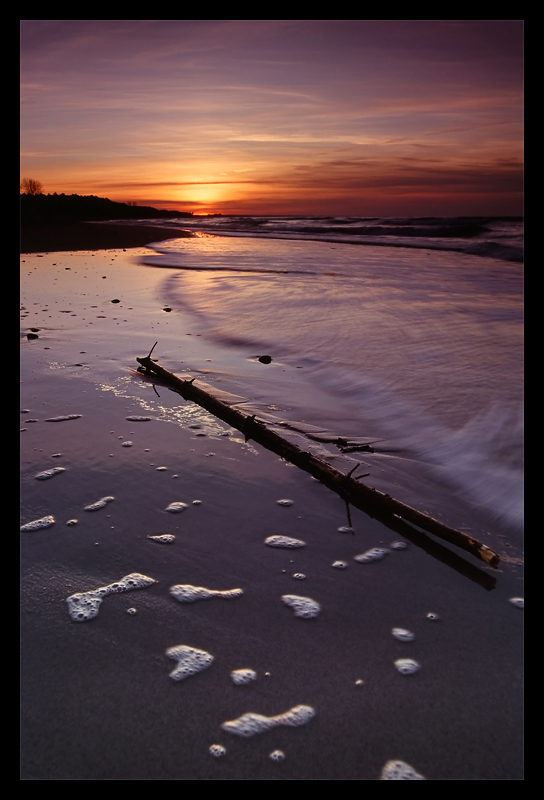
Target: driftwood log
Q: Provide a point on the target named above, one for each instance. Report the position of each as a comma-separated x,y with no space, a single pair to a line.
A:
363,497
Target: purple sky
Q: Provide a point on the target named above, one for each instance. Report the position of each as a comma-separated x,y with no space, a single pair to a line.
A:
355,117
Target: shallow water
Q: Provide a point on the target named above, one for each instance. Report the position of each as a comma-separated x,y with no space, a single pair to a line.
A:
97,699
420,348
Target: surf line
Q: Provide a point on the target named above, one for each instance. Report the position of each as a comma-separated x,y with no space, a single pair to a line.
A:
363,497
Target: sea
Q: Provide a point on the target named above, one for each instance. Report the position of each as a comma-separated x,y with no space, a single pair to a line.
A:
404,335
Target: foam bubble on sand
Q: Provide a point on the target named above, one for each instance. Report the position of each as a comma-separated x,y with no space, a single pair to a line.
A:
84,606
241,677
345,529
299,576
99,504
374,554
304,607
250,724
400,771
71,522
518,602
403,635
190,661
163,538
407,666
175,508
285,502
217,750
339,565
63,418
126,444
38,524
284,541
398,546
186,593
49,473
277,755
138,419
432,616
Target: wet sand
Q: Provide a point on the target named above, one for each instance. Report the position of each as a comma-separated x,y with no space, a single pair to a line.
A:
97,700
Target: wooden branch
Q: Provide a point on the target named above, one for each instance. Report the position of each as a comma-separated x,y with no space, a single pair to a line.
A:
361,496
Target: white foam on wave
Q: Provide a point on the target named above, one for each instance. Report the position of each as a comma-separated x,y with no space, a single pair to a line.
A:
99,504
49,473
304,607
407,666
400,771
38,524
63,418
374,554
190,660
518,602
176,507
241,677
84,606
251,724
284,541
403,635
186,593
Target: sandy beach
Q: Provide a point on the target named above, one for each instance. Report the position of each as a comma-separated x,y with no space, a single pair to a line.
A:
97,698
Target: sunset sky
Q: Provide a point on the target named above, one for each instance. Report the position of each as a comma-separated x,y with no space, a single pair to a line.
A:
352,117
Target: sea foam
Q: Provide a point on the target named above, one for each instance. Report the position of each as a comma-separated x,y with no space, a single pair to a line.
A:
84,606
251,724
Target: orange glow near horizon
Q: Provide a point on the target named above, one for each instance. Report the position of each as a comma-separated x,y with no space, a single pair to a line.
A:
341,117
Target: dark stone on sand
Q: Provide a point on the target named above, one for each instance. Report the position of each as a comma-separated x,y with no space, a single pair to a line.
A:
167,309
265,359
115,301
32,336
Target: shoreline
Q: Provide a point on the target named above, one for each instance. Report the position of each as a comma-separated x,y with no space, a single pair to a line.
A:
93,236
97,699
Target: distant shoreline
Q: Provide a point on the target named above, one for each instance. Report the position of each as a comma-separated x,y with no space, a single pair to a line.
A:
92,236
